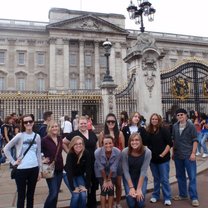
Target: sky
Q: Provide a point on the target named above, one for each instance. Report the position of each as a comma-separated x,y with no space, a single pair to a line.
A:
172,16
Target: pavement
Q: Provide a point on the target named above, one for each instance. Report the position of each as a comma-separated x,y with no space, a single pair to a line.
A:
8,192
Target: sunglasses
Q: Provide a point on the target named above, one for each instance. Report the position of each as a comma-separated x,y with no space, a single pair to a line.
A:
110,121
181,114
26,122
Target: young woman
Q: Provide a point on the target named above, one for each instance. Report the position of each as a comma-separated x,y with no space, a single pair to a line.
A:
28,169
90,141
78,172
52,151
135,162
159,142
107,159
111,127
134,126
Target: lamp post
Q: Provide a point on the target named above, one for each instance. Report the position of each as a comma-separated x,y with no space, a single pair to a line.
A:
107,46
144,8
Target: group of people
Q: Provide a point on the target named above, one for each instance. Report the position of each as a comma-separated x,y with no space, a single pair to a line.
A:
123,151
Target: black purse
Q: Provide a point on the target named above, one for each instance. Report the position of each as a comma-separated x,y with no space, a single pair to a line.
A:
14,167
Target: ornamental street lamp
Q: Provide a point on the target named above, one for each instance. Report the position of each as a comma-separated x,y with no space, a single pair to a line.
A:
107,46
144,8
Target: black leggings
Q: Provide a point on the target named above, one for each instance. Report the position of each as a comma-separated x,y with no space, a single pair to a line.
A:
26,180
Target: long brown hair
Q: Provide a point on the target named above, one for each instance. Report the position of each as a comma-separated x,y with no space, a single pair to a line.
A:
150,127
131,117
71,146
140,149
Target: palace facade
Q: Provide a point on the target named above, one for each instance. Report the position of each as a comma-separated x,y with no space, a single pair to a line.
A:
59,65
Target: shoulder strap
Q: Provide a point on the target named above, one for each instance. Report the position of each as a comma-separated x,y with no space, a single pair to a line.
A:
57,150
29,146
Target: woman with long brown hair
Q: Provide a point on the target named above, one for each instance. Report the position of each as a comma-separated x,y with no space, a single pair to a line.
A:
135,162
78,172
159,142
134,126
28,165
111,128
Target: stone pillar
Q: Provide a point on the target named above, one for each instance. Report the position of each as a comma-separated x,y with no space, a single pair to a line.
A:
97,66
81,65
148,84
66,64
109,102
52,67
144,59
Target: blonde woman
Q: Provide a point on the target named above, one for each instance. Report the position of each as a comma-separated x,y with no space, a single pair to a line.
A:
52,151
78,172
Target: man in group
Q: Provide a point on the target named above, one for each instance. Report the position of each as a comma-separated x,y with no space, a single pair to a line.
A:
47,116
184,154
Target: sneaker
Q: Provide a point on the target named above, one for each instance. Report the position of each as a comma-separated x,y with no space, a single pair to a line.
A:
205,155
153,200
195,203
198,153
167,203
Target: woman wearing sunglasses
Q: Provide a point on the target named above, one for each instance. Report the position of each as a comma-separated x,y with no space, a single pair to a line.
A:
111,128
52,150
28,165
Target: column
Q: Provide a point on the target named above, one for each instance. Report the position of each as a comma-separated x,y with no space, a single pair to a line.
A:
52,67
97,66
81,65
66,64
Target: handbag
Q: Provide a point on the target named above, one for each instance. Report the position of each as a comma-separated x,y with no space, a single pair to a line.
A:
14,167
49,169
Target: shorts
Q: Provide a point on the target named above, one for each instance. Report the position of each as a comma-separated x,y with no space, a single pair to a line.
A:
108,192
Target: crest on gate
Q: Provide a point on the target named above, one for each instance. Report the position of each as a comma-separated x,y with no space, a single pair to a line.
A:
180,88
205,87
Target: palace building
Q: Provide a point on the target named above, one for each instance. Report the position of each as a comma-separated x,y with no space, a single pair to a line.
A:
60,65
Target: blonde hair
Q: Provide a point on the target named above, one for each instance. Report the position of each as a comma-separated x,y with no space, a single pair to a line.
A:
50,125
72,144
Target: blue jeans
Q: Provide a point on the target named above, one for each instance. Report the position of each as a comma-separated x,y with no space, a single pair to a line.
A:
183,165
199,137
132,202
203,142
78,200
54,185
160,174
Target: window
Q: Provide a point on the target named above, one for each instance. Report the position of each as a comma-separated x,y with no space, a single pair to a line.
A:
41,84
40,58
2,57
21,84
2,83
21,58
88,60
73,59
88,84
73,84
